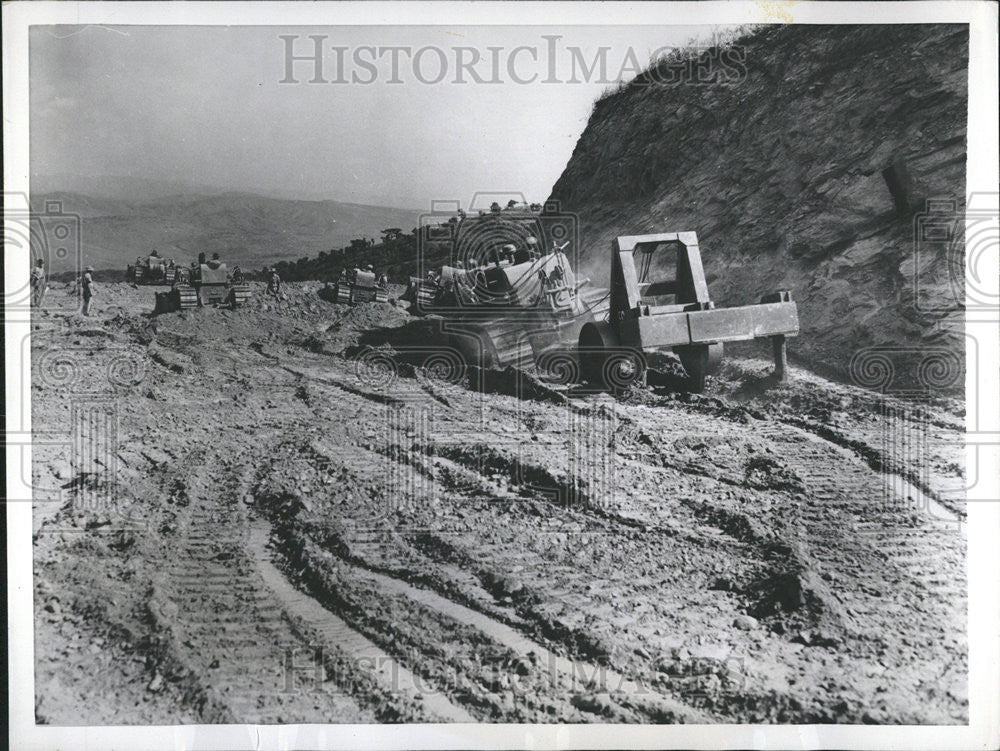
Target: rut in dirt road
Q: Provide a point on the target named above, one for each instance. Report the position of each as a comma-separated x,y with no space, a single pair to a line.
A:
389,674
229,630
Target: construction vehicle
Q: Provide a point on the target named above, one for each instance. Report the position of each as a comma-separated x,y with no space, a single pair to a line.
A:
154,269
659,301
202,284
503,300
360,286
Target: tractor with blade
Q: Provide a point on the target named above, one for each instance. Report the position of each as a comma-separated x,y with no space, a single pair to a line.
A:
208,283
659,301
154,269
360,286
502,300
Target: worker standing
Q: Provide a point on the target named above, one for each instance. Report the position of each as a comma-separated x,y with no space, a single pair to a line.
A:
88,289
38,286
274,283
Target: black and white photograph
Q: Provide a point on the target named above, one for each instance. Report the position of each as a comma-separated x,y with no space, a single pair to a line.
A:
502,375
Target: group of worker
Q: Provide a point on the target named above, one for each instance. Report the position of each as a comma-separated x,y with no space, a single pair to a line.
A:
39,286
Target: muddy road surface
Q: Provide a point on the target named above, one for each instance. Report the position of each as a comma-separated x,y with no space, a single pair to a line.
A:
249,516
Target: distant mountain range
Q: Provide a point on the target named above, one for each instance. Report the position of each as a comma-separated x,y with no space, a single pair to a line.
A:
128,188
180,220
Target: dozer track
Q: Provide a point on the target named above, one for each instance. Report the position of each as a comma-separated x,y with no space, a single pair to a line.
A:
351,294
185,296
239,294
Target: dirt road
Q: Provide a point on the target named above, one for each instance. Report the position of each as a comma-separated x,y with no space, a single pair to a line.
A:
242,517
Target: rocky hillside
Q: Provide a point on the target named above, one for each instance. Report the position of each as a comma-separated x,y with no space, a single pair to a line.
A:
785,174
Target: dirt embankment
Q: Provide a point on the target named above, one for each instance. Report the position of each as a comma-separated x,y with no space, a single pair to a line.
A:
780,172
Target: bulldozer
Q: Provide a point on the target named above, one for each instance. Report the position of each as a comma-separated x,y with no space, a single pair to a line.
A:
154,269
502,300
208,283
659,301
358,287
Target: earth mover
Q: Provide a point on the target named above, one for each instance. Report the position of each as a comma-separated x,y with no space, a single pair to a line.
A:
208,283
501,300
154,269
659,301
359,287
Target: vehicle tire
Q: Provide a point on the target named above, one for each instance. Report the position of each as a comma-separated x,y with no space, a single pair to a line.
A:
699,360
596,345
623,369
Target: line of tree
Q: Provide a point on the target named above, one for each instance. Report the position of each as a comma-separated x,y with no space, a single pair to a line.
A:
395,254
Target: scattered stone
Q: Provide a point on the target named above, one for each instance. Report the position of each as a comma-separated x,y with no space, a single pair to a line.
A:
825,638
599,703
156,684
745,622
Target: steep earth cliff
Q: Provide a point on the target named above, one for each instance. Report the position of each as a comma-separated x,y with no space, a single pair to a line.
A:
782,162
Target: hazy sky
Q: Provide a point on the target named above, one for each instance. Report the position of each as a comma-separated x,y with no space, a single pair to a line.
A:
206,105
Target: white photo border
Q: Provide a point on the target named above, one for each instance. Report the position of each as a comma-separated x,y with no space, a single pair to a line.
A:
983,730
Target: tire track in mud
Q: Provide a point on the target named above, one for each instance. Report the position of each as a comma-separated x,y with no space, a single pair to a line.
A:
363,550
584,690
848,554
234,613
854,527
818,529
566,674
228,630
391,676
913,419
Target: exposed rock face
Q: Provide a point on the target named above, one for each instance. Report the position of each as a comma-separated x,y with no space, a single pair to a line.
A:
809,173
